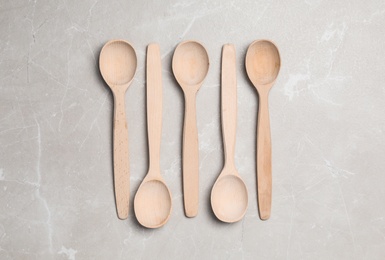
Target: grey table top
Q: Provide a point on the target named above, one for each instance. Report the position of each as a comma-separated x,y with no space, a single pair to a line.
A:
327,125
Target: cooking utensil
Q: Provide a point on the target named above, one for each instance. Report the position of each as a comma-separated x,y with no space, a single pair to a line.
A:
117,64
262,66
152,203
229,194
190,65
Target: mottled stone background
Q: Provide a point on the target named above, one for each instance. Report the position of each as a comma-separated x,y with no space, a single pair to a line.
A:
327,118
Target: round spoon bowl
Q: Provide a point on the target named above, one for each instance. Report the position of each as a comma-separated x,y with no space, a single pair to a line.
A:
229,198
190,63
117,62
262,62
152,204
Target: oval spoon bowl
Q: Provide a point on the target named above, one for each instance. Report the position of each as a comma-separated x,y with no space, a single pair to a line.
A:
117,62
229,198
262,62
152,204
190,63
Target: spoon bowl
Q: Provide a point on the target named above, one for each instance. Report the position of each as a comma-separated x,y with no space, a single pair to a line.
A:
152,204
229,198
262,62
117,63
190,63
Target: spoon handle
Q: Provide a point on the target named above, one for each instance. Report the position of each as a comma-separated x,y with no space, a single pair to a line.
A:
154,106
121,159
229,103
264,178
190,157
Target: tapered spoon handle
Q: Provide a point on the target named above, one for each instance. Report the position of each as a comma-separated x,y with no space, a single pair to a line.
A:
264,177
154,105
229,103
121,159
190,157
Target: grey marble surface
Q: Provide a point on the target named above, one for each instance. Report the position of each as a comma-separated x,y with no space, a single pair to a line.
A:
327,117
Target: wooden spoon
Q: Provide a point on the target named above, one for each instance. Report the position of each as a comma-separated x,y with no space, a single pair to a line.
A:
262,65
229,194
190,65
152,202
117,64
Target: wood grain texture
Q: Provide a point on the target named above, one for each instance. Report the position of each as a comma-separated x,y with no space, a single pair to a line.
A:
262,66
154,105
229,103
229,197
117,64
264,167
190,66
190,159
121,156
153,202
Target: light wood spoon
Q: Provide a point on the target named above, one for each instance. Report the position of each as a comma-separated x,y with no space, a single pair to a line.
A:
229,194
262,65
190,65
117,63
152,202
